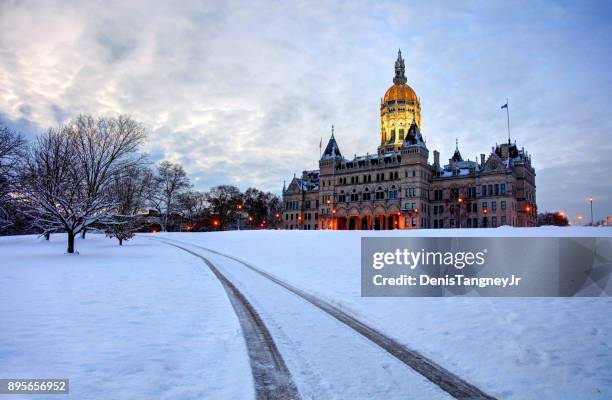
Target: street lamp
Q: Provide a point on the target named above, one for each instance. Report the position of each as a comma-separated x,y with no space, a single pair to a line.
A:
333,219
459,202
591,202
239,215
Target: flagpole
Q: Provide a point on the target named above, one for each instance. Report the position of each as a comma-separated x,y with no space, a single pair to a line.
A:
508,116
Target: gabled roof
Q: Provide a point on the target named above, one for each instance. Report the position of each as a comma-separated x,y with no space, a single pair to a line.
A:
414,137
332,150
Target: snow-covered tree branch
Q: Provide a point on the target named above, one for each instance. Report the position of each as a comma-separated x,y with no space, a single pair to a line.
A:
70,171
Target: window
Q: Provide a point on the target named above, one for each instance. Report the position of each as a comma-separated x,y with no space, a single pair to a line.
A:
494,205
484,205
438,194
401,134
380,195
409,206
503,204
393,194
342,197
483,191
503,220
493,222
475,223
474,207
503,188
366,196
496,189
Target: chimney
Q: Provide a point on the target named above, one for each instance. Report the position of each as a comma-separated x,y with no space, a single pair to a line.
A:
482,159
436,158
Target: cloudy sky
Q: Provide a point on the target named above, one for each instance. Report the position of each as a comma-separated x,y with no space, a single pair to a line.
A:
242,92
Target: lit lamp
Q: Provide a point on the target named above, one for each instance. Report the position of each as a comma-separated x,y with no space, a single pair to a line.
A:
591,202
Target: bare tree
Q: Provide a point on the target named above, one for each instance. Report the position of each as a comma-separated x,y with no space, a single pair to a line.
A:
192,205
223,201
52,186
71,168
12,152
171,182
104,148
128,192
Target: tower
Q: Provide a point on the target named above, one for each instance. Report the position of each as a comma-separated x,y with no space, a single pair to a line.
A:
398,109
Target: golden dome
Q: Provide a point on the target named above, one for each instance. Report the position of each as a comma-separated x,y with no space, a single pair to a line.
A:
400,92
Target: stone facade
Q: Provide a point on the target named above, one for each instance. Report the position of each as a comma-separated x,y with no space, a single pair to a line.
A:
397,188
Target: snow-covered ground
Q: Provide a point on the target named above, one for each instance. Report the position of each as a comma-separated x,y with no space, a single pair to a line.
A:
150,321
142,321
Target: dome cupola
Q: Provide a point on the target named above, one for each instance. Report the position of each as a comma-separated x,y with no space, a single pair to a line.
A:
399,107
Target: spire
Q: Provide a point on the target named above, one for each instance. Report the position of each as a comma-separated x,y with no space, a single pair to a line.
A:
331,150
400,69
457,154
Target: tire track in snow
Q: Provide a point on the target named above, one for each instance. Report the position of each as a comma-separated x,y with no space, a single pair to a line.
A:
270,373
443,378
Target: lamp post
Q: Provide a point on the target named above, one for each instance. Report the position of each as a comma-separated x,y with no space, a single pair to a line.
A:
591,202
334,219
239,215
459,202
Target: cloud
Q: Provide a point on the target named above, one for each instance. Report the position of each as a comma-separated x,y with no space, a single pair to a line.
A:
242,92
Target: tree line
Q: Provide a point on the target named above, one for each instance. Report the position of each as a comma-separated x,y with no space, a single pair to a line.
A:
90,174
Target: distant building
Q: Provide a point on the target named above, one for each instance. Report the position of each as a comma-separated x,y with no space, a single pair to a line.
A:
397,188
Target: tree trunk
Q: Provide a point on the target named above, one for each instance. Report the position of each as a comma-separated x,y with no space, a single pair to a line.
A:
83,234
47,236
70,242
120,242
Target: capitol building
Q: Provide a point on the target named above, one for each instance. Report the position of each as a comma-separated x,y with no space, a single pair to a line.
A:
398,188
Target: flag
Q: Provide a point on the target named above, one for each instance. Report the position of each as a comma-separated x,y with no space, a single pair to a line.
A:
504,106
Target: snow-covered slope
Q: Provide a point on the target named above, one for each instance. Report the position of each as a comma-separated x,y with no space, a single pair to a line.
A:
513,348
148,320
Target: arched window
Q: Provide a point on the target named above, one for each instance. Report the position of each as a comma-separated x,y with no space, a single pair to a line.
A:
380,194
